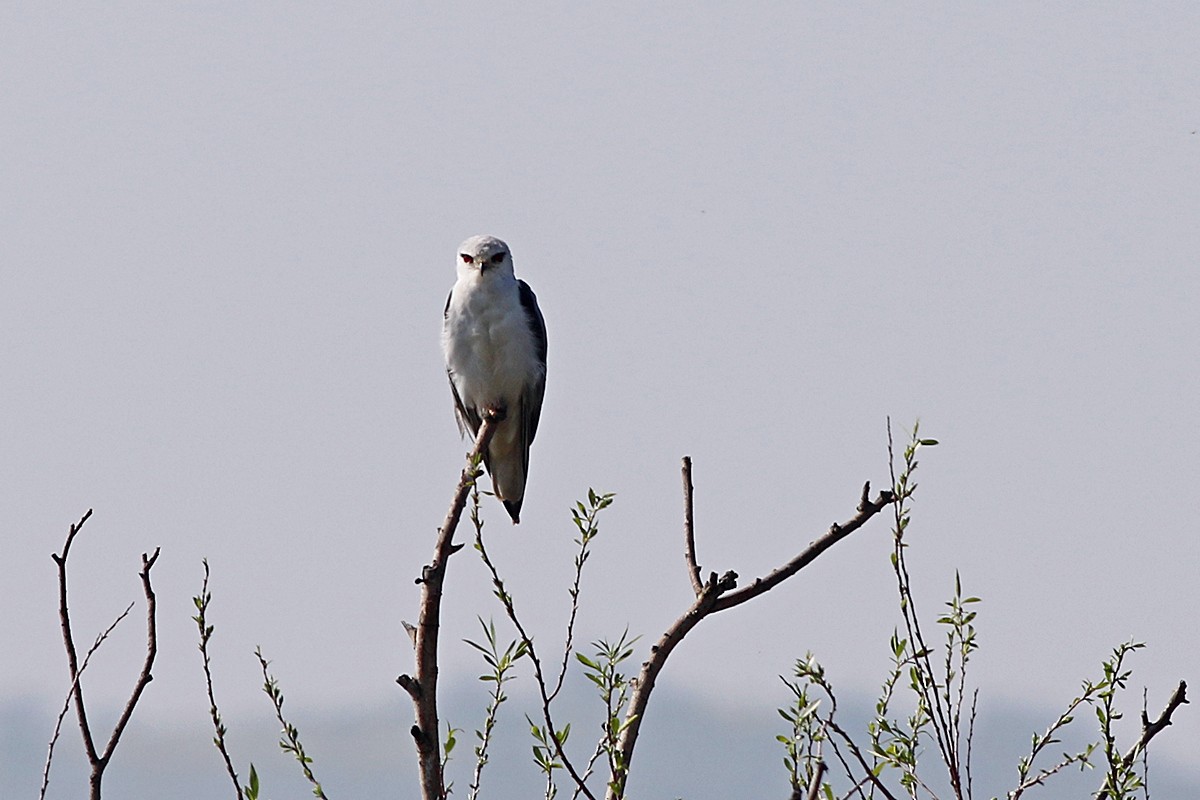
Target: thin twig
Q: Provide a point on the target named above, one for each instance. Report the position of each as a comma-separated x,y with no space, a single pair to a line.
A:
940,715
206,632
570,637
538,674
71,693
856,788
858,756
289,742
69,640
422,687
971,743
1044,741
151,651
587,531
689,529
485,740
501,664
863,781
867,508
590,767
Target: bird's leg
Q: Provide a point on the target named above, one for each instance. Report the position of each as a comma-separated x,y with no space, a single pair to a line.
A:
497,413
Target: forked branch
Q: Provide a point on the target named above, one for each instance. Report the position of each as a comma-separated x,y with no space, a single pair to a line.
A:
1150,729
96,759
87,658
717,594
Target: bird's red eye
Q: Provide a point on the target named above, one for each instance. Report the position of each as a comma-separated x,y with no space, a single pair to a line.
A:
496,259
466,258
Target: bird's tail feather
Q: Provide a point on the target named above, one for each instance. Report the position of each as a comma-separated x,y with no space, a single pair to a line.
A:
506,465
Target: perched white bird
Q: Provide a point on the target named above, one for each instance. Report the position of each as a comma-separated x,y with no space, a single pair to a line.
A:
494,340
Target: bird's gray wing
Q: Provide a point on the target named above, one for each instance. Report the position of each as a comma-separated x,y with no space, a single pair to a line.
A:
531,399
467,418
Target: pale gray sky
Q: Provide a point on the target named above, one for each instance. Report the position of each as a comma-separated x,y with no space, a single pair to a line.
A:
755,232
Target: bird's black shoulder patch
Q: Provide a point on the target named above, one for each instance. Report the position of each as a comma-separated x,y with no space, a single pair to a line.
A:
533,315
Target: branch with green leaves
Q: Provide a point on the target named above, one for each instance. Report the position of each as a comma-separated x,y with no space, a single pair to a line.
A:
603,669
251,790
501,665
549,749
935,679
206,630
289,740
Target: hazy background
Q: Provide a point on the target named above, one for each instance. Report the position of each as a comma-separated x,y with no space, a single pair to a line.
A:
755,232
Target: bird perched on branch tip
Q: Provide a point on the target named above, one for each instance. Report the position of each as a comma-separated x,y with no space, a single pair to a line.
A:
494,340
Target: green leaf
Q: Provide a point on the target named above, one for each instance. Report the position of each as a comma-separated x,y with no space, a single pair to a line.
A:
252,789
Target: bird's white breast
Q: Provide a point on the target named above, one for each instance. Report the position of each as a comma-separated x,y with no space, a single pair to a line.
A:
490,350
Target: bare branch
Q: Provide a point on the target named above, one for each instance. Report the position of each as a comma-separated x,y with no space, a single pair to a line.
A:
867,508
971,743
858,756
71,694
99,761
814,786
689,530
69,640
1152,729
717,594
151,651
422,687
587,773
659,652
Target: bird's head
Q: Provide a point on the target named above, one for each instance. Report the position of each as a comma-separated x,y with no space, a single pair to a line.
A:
485,255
